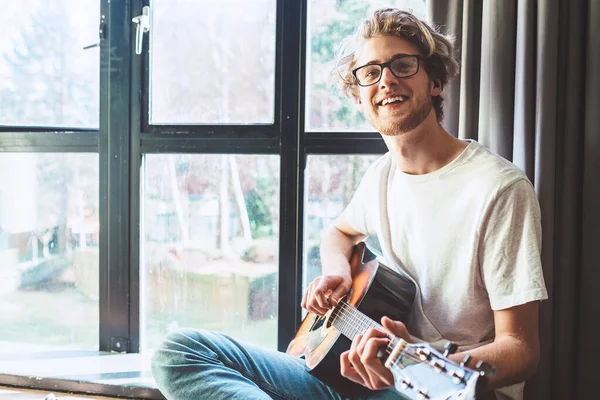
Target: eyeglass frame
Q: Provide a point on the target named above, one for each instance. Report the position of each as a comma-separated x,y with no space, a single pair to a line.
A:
387,65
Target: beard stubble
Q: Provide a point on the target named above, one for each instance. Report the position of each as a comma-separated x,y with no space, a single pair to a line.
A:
405,123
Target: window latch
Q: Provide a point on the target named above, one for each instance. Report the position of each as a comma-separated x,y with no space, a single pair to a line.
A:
142,26
101,34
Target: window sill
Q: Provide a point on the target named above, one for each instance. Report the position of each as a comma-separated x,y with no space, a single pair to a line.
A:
84,372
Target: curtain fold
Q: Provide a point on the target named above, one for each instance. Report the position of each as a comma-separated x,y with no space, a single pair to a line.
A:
569,178
589,331
451,15
523,153
496,86
530,91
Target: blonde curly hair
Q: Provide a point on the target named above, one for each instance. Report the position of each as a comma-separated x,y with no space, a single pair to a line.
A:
435,47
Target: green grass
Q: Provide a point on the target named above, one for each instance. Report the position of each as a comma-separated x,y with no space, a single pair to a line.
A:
65,318
62,317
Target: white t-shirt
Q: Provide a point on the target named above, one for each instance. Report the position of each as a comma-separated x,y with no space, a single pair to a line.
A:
468,234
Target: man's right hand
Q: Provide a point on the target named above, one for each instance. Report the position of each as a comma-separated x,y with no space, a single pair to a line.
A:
324,292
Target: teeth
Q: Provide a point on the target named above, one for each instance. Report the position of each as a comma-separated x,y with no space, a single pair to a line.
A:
393,99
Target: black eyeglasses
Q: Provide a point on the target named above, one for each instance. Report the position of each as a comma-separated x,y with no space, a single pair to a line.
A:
403,66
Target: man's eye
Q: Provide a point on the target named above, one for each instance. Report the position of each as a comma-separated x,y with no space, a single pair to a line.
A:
402,66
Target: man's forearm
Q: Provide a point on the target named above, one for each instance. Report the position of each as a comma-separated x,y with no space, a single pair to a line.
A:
336,248
514,361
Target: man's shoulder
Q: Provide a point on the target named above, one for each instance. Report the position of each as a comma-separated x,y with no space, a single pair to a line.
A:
492,170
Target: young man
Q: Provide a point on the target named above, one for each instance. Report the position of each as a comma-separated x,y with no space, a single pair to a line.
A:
463,223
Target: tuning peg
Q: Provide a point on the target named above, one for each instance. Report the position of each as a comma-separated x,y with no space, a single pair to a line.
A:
439,366
465,361
450,348
458,376
405,383
422,394
486,368
424,353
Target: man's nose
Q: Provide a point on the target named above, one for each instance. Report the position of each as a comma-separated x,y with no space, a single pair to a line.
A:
387,78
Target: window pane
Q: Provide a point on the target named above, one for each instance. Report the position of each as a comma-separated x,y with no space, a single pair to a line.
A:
329,22
210,248
212,62
330,184
48,250
46,77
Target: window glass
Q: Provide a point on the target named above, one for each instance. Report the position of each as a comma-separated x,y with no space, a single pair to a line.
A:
48,251
210,245
46,76
330,184
329,22
212,62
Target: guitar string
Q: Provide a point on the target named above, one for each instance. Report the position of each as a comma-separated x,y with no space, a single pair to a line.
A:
351,314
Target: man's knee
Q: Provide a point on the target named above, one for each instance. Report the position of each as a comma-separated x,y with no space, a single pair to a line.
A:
175,345
183,344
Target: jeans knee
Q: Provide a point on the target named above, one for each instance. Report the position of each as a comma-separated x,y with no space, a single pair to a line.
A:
179,346
174,346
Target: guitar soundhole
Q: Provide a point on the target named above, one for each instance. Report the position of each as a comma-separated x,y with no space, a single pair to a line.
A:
317,323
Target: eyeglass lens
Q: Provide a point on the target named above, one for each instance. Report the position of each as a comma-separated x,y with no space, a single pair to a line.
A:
400,67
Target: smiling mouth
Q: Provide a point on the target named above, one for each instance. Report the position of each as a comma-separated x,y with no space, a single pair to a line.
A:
393,100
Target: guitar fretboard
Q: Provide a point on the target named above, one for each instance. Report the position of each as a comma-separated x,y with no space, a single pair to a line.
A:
351,322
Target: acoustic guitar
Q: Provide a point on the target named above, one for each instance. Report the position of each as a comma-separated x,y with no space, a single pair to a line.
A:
420,371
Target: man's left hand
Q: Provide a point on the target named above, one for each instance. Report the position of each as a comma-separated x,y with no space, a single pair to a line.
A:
360,364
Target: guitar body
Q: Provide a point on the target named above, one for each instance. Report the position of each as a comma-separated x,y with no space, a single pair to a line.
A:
376,291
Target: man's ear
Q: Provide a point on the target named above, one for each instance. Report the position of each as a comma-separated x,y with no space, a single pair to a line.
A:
359,103
436,87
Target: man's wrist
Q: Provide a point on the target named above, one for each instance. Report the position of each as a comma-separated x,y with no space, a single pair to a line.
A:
338,271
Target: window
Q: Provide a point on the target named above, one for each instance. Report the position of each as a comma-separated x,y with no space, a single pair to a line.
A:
210,245
49,176
206,67
209,253
330,183
46,76
49,250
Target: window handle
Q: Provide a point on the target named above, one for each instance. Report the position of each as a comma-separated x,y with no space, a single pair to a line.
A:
143,26
101,34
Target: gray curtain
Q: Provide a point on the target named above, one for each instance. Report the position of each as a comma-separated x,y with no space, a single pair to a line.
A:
530,90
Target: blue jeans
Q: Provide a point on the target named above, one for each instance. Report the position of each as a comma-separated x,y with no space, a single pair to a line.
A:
203,365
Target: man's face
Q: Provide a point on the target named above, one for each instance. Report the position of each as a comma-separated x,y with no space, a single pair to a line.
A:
412,95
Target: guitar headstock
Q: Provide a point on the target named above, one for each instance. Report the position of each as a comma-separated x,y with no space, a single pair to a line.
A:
422,372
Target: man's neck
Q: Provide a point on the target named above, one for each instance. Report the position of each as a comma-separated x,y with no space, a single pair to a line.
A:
424,150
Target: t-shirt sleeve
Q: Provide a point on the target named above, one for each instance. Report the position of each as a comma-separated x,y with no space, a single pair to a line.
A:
510,256
359,212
